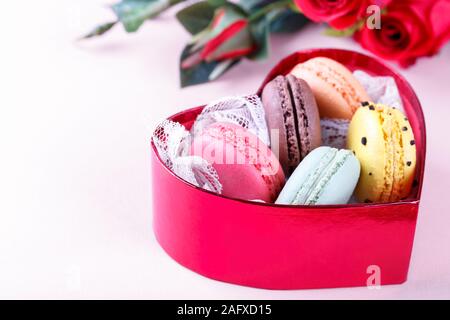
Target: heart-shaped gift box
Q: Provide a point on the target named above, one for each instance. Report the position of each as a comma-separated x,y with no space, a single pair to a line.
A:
290,247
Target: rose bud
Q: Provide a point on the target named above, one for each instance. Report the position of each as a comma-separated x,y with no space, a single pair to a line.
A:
227,37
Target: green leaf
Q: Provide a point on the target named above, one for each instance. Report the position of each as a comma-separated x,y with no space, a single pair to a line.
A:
196,17
260,32
133,13
217,3
202,72
238,8
346,32
251,5
294,7
339,33
99,30
287,20
220,69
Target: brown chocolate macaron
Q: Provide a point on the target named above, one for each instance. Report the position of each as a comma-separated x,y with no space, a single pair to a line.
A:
292,117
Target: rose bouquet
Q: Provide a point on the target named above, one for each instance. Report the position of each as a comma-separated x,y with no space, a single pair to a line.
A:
224,32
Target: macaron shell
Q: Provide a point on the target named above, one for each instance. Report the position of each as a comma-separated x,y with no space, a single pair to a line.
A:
382,145
331,103
342,182
325,176
291,110
246,167
337,92
280,119
366,140
307,115
305,171
409,154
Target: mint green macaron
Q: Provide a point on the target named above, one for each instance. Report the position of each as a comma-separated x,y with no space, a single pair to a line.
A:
325,176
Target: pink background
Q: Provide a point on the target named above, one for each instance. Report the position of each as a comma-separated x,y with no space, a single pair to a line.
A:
75,123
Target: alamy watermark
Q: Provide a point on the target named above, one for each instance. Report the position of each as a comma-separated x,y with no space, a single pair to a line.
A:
373,20
374,279
238,147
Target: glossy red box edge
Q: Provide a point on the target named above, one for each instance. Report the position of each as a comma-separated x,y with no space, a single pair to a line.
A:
288,247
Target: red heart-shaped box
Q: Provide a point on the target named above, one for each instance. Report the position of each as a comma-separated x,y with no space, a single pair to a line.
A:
290,247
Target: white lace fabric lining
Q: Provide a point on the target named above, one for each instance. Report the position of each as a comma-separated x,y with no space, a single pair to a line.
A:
246,112
173,141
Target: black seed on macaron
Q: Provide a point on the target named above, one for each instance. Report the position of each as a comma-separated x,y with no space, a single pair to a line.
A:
408,163
367,201
354,152
412,142
364,140
406,119
405,129
372,107
370,173
364,103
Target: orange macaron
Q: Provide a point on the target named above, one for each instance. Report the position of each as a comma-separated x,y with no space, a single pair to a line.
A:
338,93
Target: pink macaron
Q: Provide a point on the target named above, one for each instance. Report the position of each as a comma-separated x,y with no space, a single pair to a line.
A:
246,167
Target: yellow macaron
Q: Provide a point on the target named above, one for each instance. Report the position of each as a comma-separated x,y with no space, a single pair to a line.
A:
383,141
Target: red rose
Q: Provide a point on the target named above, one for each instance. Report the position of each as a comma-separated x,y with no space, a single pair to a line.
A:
227,37
339,14
439,17
409,29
